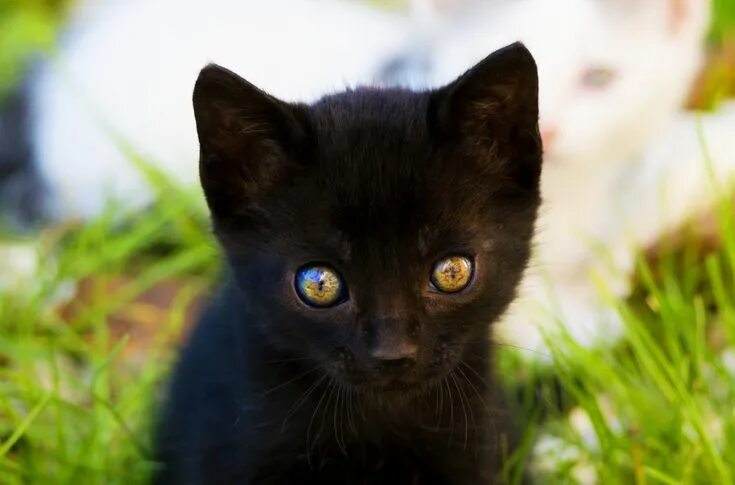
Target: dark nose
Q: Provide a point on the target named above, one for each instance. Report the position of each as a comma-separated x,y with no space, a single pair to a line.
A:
395,356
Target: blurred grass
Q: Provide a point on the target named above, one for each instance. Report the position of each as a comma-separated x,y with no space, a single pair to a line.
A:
27,27
723,20
73,407
78,382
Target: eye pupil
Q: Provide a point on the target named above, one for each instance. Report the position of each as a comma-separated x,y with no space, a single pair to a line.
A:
319,286
452,274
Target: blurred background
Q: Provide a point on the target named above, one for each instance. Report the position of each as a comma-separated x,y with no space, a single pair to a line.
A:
106,256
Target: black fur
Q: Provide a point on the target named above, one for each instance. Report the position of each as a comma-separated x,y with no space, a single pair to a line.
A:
380,184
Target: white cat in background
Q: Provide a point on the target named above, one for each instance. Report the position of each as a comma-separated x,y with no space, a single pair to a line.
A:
623,163
126,70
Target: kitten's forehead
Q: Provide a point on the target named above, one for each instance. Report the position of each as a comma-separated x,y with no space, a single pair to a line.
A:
370,119
379,185
372,151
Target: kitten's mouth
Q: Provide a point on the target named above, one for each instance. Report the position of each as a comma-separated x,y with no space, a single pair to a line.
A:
398,386
389,390
394,385
387,385
368,382
411,381
371,380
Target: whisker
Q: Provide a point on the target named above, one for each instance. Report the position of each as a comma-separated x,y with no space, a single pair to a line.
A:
350,415
525,349
474,388
326,405
342,414
471,409
283,384
467,399
436,402
311,423
479,395
440,400
493,343
477,374
451,410
464,410
301,400
338,410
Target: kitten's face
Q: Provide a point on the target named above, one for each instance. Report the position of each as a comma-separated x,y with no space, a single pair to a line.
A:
376,233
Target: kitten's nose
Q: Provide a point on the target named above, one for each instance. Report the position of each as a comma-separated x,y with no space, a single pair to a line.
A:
391,344
395,356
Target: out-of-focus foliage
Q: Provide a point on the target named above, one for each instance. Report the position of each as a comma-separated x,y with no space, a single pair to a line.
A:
26,28
657,407
392,4
718,78
723,23
87,336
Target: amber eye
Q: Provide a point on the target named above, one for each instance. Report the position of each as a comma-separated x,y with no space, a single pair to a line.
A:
452,274
319,286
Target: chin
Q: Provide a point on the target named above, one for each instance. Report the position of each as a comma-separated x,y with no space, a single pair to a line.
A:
414,384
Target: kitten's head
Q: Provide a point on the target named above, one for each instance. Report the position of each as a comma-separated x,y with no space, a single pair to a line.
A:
376,232
611,71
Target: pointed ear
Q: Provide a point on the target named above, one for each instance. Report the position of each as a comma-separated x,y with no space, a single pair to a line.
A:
247,139
493,107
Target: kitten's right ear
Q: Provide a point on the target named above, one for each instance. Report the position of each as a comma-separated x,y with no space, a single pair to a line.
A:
494,106
248,139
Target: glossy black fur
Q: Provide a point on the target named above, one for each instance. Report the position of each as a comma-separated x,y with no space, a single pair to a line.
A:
380,184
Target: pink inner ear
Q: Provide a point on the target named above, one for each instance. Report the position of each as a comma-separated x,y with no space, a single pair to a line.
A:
677,15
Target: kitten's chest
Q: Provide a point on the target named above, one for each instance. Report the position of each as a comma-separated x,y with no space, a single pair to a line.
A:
358,463
328,445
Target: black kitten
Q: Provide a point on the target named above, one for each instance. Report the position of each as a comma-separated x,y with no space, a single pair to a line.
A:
372,236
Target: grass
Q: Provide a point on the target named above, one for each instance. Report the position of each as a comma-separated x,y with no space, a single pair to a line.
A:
723,20
78,387
79,381
74,405
657,408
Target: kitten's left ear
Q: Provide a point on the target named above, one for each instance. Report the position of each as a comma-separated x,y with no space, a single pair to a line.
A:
248,139
494,106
